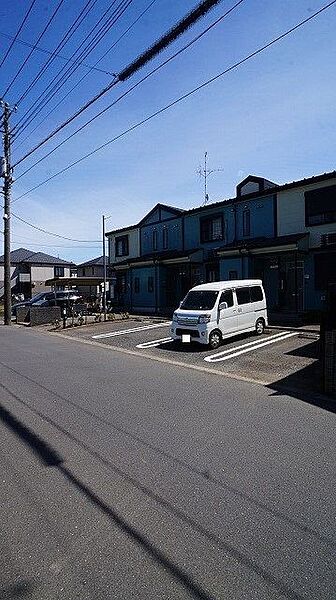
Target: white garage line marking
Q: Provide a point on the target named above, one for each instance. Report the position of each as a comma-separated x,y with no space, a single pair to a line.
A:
155,343
131,330
227,354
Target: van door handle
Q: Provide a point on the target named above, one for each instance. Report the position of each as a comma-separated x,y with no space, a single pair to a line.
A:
240,310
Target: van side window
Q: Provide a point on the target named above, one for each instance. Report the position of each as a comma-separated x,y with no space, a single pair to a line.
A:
256,293
227,297
243,295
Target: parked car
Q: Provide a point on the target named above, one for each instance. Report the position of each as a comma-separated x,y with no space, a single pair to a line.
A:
215,311
36,300
62,298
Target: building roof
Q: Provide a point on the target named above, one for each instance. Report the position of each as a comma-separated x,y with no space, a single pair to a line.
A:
75,281
22,255
97,262
268,191
122,229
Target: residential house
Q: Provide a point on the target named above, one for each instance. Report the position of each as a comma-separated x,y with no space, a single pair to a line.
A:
91,268
30,270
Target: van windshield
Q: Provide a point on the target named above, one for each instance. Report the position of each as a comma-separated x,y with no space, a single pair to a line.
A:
198,300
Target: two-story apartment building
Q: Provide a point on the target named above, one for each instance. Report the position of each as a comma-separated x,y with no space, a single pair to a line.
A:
30,270
264,231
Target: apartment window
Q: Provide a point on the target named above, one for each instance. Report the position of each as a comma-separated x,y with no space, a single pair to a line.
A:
324,266
165,238
150,284
246,223
233,275
136,285
321,206
121,245
212,229
58,271
154,240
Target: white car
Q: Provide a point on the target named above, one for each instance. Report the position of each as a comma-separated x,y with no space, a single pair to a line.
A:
212,312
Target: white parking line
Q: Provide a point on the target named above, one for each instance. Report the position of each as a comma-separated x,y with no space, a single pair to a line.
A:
254,342
131,330
154,343
232,352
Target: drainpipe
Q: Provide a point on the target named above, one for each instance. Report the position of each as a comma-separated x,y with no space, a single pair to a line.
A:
156,287
131,289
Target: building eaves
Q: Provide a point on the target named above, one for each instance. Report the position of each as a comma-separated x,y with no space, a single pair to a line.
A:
121,230
263,242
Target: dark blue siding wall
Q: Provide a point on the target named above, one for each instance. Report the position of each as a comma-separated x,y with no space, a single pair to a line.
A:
174,233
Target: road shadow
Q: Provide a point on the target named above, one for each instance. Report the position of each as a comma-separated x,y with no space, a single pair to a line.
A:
309,350
16,590
305,385
204,474
50,457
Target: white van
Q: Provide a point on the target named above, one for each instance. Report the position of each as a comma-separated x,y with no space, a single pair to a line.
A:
215,311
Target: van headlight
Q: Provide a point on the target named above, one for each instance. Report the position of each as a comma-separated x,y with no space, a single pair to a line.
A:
204,319
174,317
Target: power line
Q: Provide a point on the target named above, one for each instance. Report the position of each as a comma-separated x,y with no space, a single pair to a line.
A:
58,235
183,97
165,62
52,246
14,39
85,75
26,240
31,52
66,37
137,64
45,51
62,77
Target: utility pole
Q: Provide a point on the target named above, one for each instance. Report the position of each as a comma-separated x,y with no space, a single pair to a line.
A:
7,176
105,267
205,172
104,263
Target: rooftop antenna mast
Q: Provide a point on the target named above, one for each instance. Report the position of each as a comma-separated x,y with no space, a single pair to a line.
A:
205,172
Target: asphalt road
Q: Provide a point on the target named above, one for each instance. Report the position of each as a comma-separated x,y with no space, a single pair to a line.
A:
122,478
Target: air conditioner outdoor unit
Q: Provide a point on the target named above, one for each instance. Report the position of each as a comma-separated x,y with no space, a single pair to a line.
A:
328,239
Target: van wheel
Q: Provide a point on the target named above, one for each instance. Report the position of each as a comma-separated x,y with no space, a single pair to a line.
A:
260,327
215,340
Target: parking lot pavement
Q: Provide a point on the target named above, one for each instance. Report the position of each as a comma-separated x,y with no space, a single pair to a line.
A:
277,358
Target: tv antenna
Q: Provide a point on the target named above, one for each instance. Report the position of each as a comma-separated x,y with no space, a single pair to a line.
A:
205,172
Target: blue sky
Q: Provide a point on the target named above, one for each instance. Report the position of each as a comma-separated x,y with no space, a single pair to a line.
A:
274,116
